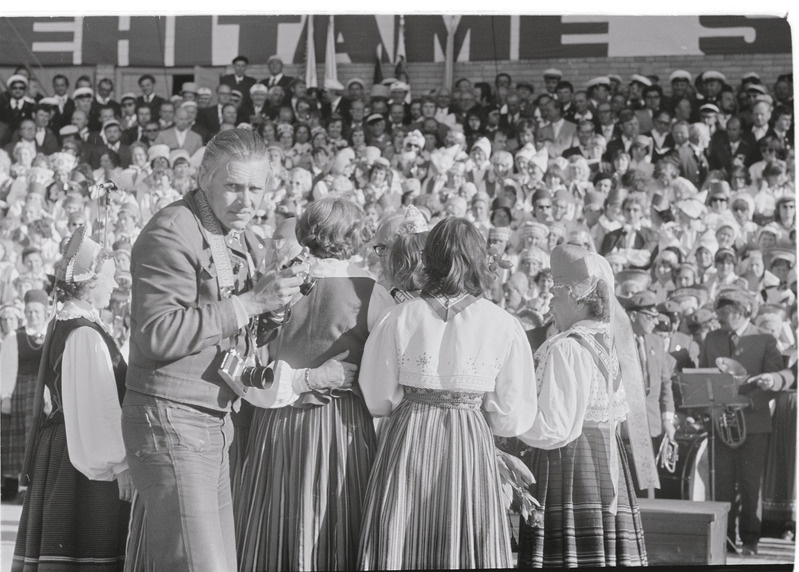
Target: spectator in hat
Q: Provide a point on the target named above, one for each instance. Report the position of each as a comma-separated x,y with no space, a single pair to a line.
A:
239,79
552,77
742,467
16,107
255,110
333,101
783,128
276,75
657,366
148,96
127,116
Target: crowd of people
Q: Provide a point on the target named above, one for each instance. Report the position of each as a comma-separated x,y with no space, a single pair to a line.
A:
494,272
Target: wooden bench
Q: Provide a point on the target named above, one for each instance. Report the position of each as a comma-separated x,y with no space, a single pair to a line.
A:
684,532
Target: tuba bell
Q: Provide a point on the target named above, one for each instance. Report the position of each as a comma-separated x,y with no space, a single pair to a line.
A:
730,421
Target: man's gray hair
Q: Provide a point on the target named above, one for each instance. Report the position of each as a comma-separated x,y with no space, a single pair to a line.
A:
231,145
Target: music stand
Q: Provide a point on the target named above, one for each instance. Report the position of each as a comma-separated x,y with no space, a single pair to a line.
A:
709,389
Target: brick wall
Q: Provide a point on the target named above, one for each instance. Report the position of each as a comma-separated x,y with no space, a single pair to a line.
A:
428,76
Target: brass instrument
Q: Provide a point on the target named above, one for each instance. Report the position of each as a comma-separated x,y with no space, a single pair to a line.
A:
668,454
730,421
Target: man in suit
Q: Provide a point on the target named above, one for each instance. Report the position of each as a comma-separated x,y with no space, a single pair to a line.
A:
128,117
148,96
112,130
629,129
559,133
255,110
662,141
238,79
46,140
191,109
585,136
691,157
211,117
193,300
333,101
65,103
276,76
605,122
105,87
136,133
727,148
761,116
180,136
656,363
742,467
16,107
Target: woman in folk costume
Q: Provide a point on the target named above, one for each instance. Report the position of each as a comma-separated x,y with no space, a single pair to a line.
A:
450,370
20,355
77,507
589,379
312,440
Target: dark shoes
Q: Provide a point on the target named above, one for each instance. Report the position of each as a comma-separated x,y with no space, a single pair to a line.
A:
749,549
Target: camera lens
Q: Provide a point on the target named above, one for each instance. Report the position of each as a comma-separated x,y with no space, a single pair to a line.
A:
259,377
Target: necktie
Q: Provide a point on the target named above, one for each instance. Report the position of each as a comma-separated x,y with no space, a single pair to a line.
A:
40,136
733,343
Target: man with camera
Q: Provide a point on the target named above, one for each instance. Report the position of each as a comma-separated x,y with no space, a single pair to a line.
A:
206,292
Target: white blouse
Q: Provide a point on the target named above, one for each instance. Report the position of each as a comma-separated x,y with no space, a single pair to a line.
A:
571,391
92,414
482,349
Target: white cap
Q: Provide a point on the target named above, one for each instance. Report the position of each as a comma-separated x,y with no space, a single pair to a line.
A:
713,74
333,84
205,91
709,108
750,75
642,79
273,58
189,87
17,78
68,130
356,80
680,74
615,77
259,88
374,117
553,72
158,151
82,92
111,123
48,101
186,104
128,95
399,86
599,80
756,87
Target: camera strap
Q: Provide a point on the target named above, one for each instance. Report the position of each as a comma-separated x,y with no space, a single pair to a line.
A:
213,234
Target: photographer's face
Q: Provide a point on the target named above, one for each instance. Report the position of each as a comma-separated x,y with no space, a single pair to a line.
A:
235,190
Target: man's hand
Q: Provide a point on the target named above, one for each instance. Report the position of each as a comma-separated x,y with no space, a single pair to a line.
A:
765,381
273,291
125,484
668,427
333,374
5,408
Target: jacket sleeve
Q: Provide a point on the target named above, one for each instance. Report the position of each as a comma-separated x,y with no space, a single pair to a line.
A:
167,322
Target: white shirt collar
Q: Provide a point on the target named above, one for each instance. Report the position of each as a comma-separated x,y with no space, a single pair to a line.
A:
334,268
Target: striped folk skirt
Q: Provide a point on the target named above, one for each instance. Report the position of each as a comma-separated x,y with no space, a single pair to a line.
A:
575,490
300,501
779,492
69,522
434,497
15,427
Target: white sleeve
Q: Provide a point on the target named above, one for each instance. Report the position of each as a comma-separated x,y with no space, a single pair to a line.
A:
563,400
380,301
9,365
512,407
379,375
92,414
285,388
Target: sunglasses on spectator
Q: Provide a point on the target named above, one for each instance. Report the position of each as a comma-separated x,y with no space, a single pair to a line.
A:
380,249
